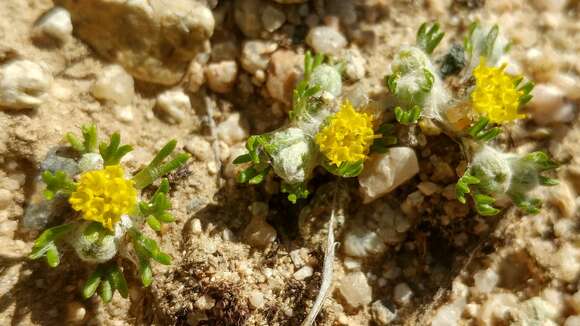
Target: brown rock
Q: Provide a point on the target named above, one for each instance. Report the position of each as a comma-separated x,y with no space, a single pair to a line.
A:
284,72
153,40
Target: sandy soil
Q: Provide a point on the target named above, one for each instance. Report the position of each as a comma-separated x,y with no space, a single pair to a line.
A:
444,245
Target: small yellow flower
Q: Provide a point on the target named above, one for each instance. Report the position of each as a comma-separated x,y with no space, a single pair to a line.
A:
347,137
104,195
495,95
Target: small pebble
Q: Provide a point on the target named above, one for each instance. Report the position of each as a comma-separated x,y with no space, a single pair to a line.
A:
56,24
174,104
256,299
23,85
114,84
326,40
256,55
221,76
548,105
272,18
232,130
303,273
75,312
5,198
196,226
381,314
402,294
355,289
485,281
205,302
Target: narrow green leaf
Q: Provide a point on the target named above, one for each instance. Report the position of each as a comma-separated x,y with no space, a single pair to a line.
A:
90,138
245,158
545,181
106,291
117,280
154,223
145,272
52,257
91,284
74,142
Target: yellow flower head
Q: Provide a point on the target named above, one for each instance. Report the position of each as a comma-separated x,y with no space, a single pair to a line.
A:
104,195
347,137
496,95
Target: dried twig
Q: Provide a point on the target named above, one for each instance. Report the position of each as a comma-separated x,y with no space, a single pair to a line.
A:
327,270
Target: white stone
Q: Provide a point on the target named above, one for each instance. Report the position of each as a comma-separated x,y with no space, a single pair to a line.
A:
568,83
572,321
351,264
23,84
123,113
549,105
303,273
196,226
384,172
326,40
200,148
449,314
231,130
381,314
551,5
402,294
497,308
174,104
284,71
5,198
355,289
114,84
361,242
485,281
205,302
221,76
354,64
56,23
296,258
256,55
563,197
195,77
256,299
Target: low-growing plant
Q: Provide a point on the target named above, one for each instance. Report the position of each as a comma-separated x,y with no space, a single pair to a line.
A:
110,211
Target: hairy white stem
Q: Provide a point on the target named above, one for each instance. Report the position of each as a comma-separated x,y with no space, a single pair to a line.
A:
327,271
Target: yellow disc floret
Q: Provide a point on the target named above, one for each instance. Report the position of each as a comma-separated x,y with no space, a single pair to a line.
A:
347,137
104,195
496,95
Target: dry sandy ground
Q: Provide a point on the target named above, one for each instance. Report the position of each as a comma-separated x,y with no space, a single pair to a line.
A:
442,250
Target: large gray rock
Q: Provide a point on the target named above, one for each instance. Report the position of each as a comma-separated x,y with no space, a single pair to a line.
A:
154,40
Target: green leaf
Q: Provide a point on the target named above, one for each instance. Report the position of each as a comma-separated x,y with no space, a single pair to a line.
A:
112,153
408,116
46,241
295,191
527,89
529,206
90,138
52,257
391,81
545,181
258,178
117,281
541,161
92,284
106,291
154,223
428,37
490,41
484,205
245,158
56,183
162,258
462,186
481,131
157,169
74,142
145,272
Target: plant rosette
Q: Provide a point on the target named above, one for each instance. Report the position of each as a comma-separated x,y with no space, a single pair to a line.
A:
109,211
